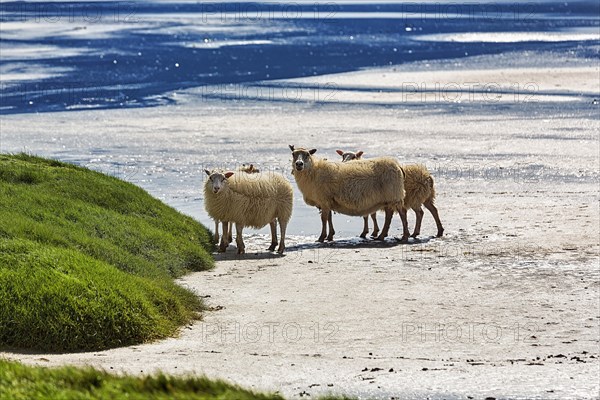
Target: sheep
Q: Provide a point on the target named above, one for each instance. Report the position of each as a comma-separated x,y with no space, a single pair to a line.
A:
358,188
419,183
254,201
419,189
249,169
349,156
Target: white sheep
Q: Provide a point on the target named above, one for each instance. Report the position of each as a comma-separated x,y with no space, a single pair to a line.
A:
249,169
419,189
358,188
349,156
253,200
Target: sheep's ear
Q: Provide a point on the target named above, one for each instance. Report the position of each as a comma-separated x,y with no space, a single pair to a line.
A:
207,172
359,154
228,174
341,153
313,151
291,147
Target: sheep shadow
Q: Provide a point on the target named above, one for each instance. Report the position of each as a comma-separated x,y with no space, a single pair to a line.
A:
232,255
258,253
357,242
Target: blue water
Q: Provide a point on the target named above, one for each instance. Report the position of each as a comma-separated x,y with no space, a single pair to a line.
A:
162,47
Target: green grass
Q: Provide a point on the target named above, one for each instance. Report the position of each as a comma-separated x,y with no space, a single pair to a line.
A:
20,382
87,261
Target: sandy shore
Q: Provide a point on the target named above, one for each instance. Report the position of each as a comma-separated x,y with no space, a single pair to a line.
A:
505,305
382,320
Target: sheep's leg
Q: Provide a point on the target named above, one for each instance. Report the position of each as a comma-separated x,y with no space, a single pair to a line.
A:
239,240
331,230
273,225
433,210
375,226
216,237
417,231
386,225
230,237
365,228
224,244
324,220
405,232
282,228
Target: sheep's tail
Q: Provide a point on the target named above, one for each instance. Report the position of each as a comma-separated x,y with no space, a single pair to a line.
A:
431,188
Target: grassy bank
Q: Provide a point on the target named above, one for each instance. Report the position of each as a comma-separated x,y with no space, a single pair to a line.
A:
87,261
20,382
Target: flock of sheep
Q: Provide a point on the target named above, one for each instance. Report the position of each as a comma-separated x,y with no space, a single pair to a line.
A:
354,186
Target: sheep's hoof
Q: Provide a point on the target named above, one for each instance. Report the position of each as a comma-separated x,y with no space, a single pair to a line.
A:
374,234
280,250
403,239
440,233
222,249
414,235
380,238
330,238
241,251
272,247
363,235
321,239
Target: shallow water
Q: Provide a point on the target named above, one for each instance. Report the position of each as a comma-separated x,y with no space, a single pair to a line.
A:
154,93
130,54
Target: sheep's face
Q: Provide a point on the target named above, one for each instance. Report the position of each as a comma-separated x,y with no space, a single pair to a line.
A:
349,155
302,158
217,180
249,169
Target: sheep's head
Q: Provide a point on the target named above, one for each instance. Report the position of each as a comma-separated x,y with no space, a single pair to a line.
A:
302,158
349,155
249,169
217,179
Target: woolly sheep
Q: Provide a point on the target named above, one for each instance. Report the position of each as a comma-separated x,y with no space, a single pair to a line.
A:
419,189
249,169
419,183
349,156
358,188
249,200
